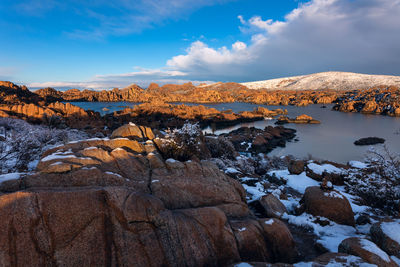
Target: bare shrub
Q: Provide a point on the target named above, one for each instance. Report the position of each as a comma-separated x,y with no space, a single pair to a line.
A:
220,147
185,143
23,143
379,184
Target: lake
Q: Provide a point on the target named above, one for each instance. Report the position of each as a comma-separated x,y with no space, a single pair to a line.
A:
332,139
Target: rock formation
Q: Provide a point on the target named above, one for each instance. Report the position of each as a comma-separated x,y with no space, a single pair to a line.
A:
329,204
163,115
11,93
366,250
367,141
302,119
112,202
378,100
54,114
256,141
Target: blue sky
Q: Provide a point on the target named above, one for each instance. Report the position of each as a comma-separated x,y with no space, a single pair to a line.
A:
103,44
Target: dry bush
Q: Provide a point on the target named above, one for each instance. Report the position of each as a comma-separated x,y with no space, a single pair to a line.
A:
379,184
185,143
22,143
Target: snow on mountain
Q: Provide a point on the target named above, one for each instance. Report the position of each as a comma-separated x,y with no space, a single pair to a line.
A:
326,80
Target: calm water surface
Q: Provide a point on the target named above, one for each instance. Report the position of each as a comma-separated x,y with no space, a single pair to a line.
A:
332,139
104,107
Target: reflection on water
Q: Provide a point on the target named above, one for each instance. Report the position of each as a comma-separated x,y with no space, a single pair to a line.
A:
104,107
332,139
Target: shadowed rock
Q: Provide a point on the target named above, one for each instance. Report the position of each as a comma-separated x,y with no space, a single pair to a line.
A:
112,202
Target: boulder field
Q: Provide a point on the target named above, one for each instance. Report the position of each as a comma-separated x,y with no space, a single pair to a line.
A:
158,114
113,202
122,201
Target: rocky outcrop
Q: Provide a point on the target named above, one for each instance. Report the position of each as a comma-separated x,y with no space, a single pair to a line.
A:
269,113
110,202
280,239
272,206
132,130
329,204
329,171
302,119
50,94
255,140
378,100
296,166
369,141
55,114
367,251
163,115
11,93
386,236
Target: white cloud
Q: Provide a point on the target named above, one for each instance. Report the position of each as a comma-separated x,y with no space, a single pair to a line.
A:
321,35
205,59
142,77
143,73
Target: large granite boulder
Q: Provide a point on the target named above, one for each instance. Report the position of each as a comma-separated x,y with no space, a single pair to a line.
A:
113,202
296,166
367,251
272,206
330,204
387,236
280,239
132,130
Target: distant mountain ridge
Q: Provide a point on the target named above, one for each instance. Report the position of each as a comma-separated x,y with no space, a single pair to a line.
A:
343,81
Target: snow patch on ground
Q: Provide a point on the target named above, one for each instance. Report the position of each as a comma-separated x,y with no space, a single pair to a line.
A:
330,236
90,139
9,176
90,148
352,199
350,261
243,264
395,259
320,169
59,155
297,182
115,174
357,164
231,170
255,192
392,230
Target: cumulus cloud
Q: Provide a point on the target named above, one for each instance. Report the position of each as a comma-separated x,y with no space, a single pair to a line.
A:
320,35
